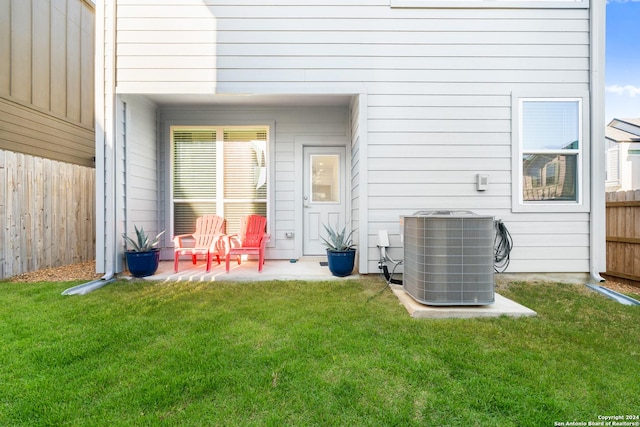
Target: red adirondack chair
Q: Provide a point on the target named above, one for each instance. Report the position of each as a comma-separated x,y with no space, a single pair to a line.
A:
209,230
251,240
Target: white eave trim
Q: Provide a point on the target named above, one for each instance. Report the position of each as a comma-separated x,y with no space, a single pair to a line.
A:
491,4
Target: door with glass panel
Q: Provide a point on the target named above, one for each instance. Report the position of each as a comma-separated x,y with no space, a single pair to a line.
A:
324,193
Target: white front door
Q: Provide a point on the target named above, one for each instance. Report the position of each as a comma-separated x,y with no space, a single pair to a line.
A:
323,194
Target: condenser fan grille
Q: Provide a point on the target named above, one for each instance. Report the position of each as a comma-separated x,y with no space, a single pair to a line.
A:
448,258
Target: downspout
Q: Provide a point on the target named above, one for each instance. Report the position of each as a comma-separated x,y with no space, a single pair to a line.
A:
105,152
597,248
110,146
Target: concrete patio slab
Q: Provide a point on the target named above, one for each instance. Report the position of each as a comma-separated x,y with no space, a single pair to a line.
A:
302,269
501,307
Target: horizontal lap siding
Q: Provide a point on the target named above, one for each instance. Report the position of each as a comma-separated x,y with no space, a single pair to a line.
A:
438,84
306,42
23,129
428,140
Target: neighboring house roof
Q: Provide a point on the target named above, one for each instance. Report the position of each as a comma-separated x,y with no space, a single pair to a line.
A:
623,130
618,135
634,122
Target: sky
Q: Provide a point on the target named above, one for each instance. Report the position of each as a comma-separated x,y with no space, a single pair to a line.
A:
622,60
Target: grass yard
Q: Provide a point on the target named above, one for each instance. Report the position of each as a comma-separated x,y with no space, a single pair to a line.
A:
308,353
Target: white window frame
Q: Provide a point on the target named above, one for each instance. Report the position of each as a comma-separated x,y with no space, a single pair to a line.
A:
492,4
220,199
582,202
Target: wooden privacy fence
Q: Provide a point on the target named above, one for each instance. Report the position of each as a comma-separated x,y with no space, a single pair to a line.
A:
623,234
47,213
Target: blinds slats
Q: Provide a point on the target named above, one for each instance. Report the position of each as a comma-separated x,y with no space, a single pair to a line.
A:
194,164
234,212
244,171
185,214
244,175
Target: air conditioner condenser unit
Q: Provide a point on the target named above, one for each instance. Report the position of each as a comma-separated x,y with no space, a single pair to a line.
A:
448,257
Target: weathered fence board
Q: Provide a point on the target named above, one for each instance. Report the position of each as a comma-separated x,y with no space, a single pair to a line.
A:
623,234
47,211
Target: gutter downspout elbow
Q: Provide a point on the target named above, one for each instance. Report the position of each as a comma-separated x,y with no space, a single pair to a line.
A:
85,288
595,276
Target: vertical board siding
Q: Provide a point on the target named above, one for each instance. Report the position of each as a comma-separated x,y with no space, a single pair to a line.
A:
20,53
74,60
48,213
41,53
438,84
87,67
58,61
46,65
5,47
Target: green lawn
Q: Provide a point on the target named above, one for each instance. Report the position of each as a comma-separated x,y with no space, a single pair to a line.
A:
308,353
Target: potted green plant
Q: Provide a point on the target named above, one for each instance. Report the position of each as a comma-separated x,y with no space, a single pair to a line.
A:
341,252
143,256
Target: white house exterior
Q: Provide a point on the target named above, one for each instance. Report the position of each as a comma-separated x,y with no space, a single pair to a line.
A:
356,112
623,155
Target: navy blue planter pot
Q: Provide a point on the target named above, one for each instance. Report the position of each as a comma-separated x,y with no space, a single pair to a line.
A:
341,262
142,264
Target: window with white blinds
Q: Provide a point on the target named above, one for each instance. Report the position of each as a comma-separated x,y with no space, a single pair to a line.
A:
550,153
218,170
551,146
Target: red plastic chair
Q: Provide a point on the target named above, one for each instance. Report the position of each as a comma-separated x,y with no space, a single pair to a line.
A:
209,230
251,240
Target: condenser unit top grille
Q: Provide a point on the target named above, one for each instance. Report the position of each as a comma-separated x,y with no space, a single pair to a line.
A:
444,213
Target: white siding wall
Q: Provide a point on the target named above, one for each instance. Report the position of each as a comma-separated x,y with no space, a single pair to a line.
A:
138,180
358,186
289,123
438,84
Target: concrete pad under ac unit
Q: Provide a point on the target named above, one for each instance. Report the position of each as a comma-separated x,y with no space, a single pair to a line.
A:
501,307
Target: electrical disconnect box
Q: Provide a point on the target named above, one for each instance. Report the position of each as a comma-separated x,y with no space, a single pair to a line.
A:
482,182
